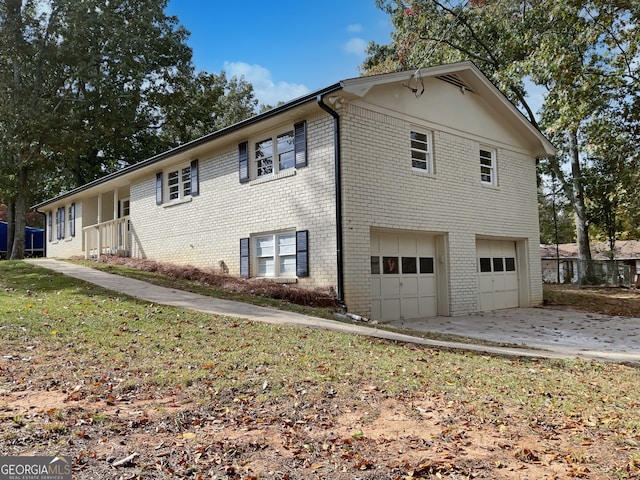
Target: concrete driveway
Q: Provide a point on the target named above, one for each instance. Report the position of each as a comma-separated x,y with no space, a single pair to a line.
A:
530,332
567,332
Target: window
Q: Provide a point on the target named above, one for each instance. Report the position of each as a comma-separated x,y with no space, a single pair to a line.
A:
421,158
375,265
60,219
390,265
276,255
510,264
409,265
488,166
485,264
497,264
179,183
124,209
273,154
426,265
269,160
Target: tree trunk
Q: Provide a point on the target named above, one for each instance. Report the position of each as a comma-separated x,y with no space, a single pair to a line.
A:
17,250
577,199
11,210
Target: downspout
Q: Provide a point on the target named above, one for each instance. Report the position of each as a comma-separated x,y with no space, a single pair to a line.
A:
338,186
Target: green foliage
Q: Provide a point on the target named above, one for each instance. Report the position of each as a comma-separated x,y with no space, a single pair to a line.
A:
90,86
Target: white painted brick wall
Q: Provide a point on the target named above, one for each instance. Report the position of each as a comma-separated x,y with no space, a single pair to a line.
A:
208,229
69,246
381,191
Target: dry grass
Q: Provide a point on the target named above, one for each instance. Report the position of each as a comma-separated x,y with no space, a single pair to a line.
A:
319,297
613,301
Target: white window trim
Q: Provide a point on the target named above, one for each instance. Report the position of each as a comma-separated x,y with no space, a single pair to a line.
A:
255,258
166,188
493,168
276,172
429,170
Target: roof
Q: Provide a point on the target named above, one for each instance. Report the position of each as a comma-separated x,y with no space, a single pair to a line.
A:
462,74
625,250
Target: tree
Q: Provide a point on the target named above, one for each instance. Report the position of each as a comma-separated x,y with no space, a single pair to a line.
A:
206,103
584,54
557,225
89,86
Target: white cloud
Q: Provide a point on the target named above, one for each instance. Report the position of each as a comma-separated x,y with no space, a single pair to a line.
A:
354,28
356,45
266,90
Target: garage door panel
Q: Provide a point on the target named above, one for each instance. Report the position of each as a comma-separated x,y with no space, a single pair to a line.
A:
410,308
389,244
428,306
409,286
375,287
497,278
407,246
427,286
376,308
390,287
408,290
391,308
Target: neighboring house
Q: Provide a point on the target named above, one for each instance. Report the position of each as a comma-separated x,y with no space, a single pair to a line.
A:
563,262
409,203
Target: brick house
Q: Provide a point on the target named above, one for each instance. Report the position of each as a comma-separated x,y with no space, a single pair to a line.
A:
411,195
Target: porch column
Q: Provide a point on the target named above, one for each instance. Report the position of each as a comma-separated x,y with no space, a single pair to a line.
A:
99,239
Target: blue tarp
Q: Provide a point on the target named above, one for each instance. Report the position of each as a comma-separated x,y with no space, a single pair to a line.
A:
33,239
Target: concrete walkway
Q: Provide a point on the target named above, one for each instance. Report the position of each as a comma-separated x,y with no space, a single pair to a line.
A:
542,333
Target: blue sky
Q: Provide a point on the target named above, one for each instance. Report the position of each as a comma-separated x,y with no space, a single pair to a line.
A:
284,48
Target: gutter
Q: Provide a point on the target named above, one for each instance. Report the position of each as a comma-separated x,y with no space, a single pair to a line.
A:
338,185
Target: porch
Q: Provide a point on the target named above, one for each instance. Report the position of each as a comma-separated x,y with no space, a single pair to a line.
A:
112,237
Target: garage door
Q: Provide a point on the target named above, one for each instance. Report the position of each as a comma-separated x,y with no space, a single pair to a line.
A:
403,278
498,278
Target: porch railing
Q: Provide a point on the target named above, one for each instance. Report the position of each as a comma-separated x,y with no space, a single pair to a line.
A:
107,238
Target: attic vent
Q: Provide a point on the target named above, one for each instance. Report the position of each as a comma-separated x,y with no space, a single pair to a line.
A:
456,81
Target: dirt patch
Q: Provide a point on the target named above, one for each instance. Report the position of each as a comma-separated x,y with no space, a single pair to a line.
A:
418,436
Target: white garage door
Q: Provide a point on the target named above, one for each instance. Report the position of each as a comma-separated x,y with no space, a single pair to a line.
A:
498,278
403,279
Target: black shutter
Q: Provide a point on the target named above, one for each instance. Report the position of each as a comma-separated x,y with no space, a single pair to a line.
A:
62,220
302,253
195,181
300,143
244,257
58,224
72,220
159,188
243,161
